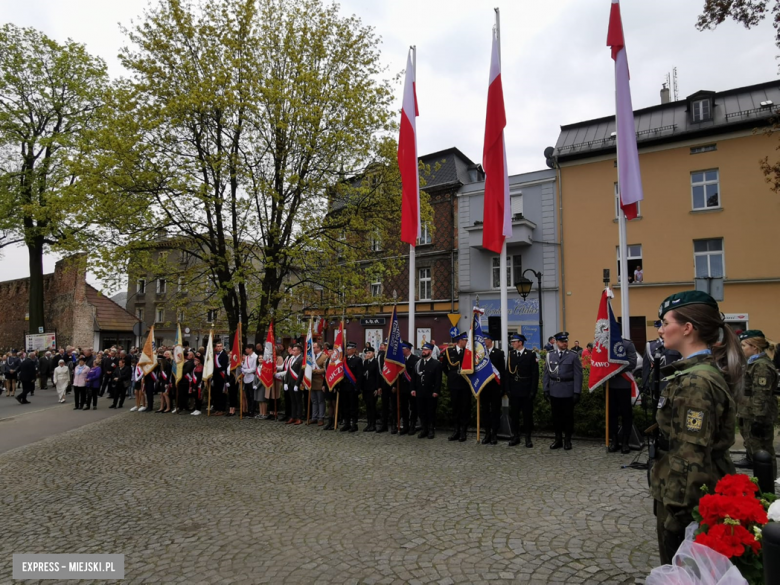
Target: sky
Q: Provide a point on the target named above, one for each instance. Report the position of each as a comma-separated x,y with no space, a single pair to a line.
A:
556,68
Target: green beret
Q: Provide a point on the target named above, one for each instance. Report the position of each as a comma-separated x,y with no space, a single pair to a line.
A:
751,333
681,299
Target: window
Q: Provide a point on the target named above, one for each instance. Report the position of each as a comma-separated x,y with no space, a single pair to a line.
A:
425,234
425,284
514,270
376,289
617,204
140,286
161,286
705,189
516,203
706,148
708,258
160,317
139,313
634,262
211,316
376,243
701,110
179,316
178,285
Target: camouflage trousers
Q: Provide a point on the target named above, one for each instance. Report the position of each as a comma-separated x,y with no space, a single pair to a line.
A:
668,541
759,436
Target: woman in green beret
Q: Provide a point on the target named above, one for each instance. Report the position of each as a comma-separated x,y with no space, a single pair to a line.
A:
757,408
696,412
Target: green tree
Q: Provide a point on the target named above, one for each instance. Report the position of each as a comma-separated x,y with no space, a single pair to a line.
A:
49,96
238,123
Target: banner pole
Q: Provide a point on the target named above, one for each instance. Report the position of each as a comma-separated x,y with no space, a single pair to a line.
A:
336,414
477,419
606,442
241,397
398,403
208,383
308,409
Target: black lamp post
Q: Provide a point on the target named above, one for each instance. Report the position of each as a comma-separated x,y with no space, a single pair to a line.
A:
524,286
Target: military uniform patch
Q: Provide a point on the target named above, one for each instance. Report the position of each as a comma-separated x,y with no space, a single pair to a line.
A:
694,420
661,401
761,381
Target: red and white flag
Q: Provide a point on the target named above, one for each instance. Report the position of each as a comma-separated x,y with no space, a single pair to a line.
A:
407,160
629,177
235,351
267,368
497,215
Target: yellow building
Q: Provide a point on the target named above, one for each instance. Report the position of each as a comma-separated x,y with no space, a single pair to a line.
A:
707,211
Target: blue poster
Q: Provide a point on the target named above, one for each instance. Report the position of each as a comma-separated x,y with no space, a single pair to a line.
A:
523,314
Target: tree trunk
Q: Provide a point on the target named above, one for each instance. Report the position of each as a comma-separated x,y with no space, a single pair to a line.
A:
35,250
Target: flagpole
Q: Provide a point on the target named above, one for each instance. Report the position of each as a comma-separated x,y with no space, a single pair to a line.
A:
606,442
412,257
502,259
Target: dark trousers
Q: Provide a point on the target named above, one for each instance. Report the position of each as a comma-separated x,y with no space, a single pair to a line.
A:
119,396
218,396
288,404
370,400
461,406
427,407
79,396
304,402
524,404
44,382
620,405
562,416
183,394
408,409
490,404
233,395
93,394
389,405
296,407
668,542
104,384
349,403
27,387
149,390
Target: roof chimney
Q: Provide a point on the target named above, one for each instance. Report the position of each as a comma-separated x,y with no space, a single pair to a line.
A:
665,95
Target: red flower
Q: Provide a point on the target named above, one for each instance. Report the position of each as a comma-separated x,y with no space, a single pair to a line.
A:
746,509
729,540
736,485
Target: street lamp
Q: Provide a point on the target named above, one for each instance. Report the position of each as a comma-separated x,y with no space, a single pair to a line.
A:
524,286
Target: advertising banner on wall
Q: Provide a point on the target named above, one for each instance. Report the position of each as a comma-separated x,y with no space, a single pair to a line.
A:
40,342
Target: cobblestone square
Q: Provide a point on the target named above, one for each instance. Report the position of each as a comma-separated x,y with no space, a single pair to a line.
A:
195,500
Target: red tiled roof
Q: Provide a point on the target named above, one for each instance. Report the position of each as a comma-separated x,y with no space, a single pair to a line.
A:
109,315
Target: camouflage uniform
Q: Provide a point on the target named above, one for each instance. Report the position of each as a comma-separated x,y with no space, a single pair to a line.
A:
757,410
696,420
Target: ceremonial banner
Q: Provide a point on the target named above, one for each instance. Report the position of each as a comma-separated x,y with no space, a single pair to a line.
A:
235,350
609,354
178,355
395,362
310,361
147,361
208,361
476,366
335,372
267,367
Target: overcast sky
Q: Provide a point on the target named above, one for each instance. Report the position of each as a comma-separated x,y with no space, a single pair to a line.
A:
556,66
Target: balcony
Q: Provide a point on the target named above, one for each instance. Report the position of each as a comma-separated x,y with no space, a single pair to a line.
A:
522,233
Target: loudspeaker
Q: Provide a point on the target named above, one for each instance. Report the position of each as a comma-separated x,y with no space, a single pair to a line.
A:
494,328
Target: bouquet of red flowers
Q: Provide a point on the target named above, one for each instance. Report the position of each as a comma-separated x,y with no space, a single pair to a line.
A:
730,522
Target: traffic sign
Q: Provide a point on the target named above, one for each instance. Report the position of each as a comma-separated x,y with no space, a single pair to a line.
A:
454,318
454,332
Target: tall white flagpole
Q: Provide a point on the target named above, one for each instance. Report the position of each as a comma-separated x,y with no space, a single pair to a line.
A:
625,311
412,259
502,259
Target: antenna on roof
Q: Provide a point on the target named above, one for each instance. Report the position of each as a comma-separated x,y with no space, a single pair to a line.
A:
674,84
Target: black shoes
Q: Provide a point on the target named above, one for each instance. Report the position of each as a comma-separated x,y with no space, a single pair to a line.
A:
345,427
403,431
493,439
528,442
744,463
423,434
431,434
567,445
112,406
613,446
382,429
462,436
353,428
455,435
626,449
19,399
371,428
413,428
515,440
557,444
486,439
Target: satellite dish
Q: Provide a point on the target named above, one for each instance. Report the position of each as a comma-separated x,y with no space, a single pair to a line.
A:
548,152
550,162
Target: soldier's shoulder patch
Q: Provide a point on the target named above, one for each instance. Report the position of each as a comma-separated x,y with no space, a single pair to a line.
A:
761,381
694,420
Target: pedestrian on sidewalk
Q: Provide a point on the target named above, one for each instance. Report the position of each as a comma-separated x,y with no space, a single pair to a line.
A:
80,383
94,379
61,380
27,378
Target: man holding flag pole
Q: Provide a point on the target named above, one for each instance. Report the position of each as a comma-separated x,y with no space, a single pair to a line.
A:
393,363
266,371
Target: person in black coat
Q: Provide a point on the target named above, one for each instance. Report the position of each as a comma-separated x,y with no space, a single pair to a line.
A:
184,385
293,384
427,387
388,417
220,381
405,386
490,396
371,379
120,382
620,404
460,392
351,387
27,378
522,384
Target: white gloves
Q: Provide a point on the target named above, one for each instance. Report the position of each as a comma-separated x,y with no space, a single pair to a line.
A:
286,388
295,389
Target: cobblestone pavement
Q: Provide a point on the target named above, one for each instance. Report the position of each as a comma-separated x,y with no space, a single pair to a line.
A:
195,500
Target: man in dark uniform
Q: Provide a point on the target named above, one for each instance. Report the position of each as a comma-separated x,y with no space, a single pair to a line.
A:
620,404
389,397
523,382
371,378
184,386
350,390
562,387
220,380
490,397
460,392
293,382
667,356
27,378
406,386
427,387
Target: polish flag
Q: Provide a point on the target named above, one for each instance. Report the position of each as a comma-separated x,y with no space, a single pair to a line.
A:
407,160
267,368
629,177
497,215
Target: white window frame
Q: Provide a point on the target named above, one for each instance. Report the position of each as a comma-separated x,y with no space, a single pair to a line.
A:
162,286
425,234
703,184
159,315
709,254
179,285
211,315
512,276
617,205
698,110
376,288
631,256
179,316
425,284
376,243
139,313
140,286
